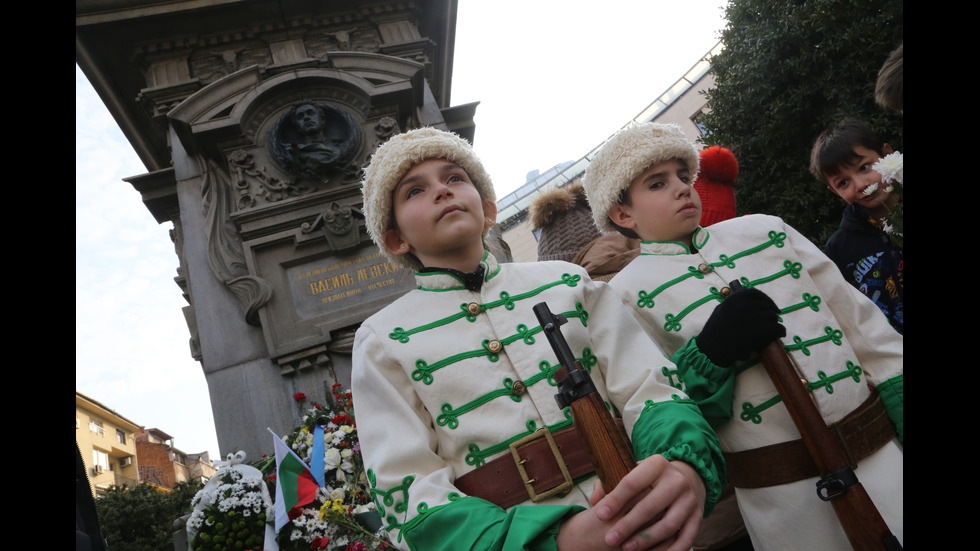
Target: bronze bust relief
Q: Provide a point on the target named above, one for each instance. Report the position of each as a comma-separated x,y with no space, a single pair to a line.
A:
312,139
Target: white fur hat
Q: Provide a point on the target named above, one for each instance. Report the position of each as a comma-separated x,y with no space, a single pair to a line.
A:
396,157
625,156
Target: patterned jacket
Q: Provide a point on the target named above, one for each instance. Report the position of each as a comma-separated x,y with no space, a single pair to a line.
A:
870,262
446,378
840,340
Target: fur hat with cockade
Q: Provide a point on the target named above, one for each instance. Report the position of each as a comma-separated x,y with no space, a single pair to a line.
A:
396,157
625,156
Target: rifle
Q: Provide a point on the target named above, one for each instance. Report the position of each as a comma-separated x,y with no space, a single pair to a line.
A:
608,448
838,484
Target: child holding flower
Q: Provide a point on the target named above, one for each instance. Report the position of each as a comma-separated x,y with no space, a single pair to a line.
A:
867,174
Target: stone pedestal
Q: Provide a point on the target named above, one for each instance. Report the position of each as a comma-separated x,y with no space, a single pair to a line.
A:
254,119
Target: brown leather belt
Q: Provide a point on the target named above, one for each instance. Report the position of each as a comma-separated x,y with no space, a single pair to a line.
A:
539,466
862,432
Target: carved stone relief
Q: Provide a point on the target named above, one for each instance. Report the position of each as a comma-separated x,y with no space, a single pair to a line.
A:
252,181
210,64
312,139
338,225
225,251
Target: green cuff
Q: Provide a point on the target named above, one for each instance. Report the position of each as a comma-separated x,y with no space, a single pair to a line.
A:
711,386
677,431
473,523
891,392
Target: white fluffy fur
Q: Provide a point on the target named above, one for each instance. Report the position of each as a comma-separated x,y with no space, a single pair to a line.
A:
399,154
625,156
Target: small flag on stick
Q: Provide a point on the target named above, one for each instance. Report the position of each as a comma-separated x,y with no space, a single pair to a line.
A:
295,485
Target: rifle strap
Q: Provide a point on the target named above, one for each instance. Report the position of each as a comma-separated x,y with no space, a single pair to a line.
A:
499,480
862,432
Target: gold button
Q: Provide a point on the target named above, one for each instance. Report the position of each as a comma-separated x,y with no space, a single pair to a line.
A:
473,308
519,388
494,346
704,268
726,292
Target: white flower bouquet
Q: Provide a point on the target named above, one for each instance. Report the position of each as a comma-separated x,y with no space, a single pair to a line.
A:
892,170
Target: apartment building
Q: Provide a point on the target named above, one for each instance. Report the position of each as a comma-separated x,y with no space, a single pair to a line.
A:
107,441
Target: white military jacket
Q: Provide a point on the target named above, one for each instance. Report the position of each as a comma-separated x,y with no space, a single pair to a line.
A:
445,378
837,336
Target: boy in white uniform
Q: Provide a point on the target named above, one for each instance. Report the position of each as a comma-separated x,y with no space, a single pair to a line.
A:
448,378
641,183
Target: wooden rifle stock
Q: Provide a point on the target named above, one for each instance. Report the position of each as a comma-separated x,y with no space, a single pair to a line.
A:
858,516
609,451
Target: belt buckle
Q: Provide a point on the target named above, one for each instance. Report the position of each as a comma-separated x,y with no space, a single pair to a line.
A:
543,432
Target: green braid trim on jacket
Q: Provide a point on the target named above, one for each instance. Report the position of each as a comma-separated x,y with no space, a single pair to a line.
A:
473,523
892,392
676,430
809,301
402,335
423,370
775,239
832,335
390,499
450,415
478,457
851,371
672,321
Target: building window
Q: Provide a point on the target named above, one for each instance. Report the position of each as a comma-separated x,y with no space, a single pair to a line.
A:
698,120
100,460
120,436
96,427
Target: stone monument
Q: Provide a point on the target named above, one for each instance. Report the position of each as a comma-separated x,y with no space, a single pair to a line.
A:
254,119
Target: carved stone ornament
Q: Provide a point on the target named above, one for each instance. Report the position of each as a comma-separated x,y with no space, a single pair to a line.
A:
252,182
225,252
313,139
338,226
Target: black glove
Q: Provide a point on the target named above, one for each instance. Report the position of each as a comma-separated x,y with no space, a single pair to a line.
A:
746,321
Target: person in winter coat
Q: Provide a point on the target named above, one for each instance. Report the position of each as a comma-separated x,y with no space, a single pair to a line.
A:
843,158
566,232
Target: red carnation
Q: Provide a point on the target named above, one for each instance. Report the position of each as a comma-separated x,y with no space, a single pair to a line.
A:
299,397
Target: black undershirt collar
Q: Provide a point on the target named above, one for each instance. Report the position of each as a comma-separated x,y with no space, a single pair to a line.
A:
472,280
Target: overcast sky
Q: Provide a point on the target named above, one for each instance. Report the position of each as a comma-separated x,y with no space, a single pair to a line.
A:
554,78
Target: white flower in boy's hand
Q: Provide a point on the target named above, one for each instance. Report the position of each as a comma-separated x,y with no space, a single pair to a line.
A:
870,190
891,167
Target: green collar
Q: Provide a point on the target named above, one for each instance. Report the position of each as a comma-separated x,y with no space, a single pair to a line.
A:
699,239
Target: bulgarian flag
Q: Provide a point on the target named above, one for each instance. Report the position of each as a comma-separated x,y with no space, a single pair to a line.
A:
295,485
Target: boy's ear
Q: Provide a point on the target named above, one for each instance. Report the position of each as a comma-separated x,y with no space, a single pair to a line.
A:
622,216
887,149
490,212
395,243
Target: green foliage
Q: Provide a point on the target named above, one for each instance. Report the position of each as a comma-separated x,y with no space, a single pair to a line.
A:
788,71
141,518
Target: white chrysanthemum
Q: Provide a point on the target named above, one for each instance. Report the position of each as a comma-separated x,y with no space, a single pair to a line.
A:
870,190
369,506
891,168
